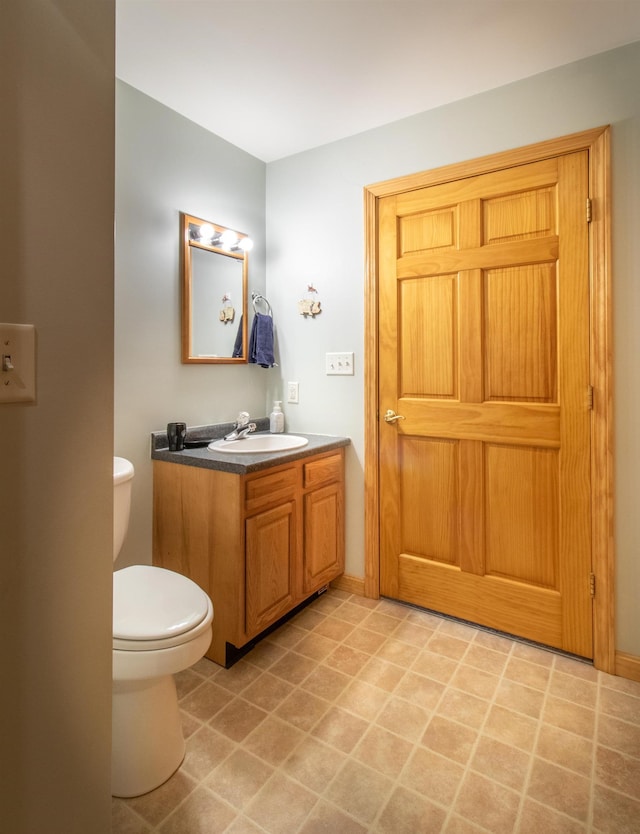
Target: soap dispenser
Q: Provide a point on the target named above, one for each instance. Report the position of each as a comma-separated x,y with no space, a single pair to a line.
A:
276,418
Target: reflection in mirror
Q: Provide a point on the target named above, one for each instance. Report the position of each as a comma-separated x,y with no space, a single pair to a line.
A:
214,292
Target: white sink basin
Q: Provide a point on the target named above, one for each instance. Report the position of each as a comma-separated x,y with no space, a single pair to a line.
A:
255,443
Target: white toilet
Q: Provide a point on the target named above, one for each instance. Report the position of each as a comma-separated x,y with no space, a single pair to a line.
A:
161,625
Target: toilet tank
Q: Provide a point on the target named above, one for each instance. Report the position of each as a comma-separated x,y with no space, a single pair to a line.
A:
122,477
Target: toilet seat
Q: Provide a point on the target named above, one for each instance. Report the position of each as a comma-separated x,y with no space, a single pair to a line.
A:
154,608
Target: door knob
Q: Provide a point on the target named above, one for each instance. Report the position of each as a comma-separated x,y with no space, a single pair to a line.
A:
391,417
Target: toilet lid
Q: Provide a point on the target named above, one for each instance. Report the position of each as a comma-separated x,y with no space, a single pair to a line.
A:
151,603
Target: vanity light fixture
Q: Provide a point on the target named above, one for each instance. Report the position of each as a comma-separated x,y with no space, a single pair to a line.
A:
219,238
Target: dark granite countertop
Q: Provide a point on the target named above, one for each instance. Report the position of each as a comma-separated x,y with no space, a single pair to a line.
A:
241,463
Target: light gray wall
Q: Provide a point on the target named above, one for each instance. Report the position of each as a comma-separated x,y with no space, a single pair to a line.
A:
315,230
166,164
56,470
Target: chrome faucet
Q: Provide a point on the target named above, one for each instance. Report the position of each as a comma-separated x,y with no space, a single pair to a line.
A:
242,427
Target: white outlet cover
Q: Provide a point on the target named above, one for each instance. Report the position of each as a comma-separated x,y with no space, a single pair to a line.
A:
293,392
18,350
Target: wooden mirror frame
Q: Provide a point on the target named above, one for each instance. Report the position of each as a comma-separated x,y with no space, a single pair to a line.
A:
187,244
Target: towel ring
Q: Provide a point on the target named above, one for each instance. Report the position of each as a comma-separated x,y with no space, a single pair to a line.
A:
257,297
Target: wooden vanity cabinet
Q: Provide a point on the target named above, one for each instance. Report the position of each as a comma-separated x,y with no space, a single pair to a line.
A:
259,544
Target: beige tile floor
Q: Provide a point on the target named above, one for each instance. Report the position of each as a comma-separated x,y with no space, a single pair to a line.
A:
362,715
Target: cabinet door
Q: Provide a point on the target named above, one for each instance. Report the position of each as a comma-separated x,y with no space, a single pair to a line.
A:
323,536
270,566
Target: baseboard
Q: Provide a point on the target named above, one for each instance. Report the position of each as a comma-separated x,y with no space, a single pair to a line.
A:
628,666
350,584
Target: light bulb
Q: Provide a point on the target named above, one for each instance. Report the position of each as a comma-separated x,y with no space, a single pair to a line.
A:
246,244
207,231
228,238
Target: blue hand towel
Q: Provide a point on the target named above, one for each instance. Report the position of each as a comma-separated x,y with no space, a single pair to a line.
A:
261,341
237,347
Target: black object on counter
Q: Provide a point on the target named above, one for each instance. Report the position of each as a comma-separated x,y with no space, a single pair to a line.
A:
176,433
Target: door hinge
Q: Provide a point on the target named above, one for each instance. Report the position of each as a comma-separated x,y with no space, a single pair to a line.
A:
589,210
592,584
590,397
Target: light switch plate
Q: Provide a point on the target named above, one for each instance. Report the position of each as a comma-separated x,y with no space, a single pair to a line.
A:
339,364
18,363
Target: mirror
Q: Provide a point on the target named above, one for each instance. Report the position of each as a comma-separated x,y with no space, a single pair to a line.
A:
214,266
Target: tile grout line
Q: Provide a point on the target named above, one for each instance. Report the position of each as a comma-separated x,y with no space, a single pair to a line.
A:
532,756
332,703
396,782
199,783
594,758
372,721
467,768
239,745
388,695
447,687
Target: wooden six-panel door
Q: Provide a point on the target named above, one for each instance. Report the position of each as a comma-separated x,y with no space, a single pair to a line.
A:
484,358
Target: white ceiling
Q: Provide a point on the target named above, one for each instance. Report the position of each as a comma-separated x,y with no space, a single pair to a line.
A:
275,77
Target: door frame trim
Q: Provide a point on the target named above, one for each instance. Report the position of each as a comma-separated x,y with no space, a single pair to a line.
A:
597,143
